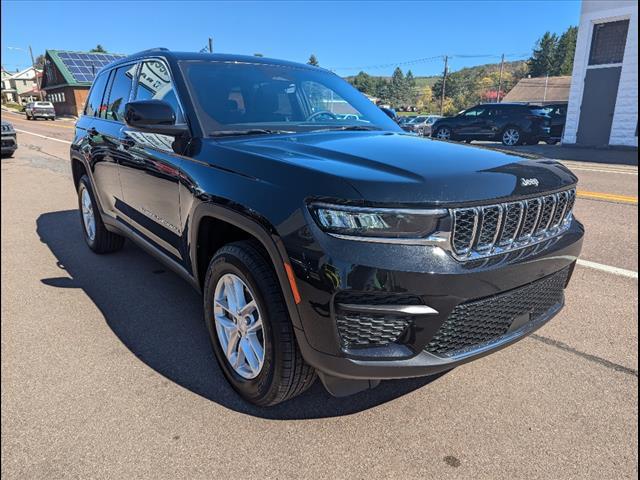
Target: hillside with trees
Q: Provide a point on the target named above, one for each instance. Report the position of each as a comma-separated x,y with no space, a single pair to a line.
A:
552,55
463,88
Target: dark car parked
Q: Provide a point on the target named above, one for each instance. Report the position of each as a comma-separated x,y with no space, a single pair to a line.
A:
558,115
509,123
325,246
9,139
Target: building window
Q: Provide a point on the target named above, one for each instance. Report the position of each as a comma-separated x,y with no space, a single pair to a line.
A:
608,42
62,99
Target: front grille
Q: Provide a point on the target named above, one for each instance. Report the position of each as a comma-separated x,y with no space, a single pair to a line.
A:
492,229
477,322
358,329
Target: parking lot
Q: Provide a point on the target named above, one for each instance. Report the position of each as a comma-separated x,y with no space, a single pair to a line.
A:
108,371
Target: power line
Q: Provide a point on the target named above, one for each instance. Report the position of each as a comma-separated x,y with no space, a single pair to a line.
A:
433,58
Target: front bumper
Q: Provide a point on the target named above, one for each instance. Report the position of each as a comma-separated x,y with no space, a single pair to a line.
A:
327,267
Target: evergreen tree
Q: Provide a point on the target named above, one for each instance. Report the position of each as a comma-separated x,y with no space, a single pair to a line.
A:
544,59
313,60
411,94
397,88
565,52
98,49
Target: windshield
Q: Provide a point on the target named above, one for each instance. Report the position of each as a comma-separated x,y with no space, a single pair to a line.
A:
233,98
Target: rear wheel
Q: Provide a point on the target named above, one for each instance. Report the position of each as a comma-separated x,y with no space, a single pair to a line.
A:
250,329
98,238
511,136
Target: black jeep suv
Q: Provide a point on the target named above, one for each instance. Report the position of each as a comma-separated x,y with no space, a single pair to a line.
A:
323,244
509,123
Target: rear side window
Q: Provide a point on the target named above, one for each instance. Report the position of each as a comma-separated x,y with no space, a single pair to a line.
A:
154,83
95,96
119,92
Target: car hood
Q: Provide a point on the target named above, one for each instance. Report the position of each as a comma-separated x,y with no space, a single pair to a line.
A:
396,168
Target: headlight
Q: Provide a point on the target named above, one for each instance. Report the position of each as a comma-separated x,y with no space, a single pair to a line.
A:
392,224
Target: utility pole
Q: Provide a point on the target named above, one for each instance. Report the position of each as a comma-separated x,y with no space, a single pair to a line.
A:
444,82
210,44
546,83
33,64
500,79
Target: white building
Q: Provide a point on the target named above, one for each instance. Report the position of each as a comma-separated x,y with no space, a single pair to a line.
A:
20,87
603,101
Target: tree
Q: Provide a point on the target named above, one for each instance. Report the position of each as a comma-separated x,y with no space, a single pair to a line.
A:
565,51
410,92
98,49
364,83
397,88
313,60
258,55
543,59
553,55
39,64
425,99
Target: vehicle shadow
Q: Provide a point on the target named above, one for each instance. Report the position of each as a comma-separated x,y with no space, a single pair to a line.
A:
158,317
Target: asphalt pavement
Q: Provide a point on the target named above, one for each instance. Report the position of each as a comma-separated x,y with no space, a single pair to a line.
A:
107,371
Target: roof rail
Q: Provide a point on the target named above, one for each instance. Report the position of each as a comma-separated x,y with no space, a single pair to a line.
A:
149,50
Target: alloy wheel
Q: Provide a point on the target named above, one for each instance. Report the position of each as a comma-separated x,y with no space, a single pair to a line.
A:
511,137
88,217
238,324
443,134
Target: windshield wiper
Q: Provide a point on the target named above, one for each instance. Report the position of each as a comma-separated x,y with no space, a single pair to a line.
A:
251,131
345,128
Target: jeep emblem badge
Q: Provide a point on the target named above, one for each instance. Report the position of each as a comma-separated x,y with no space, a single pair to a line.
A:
529,182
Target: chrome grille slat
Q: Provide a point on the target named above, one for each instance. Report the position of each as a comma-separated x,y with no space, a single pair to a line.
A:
492,229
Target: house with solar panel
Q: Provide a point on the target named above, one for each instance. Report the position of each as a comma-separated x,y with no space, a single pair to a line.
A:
69,75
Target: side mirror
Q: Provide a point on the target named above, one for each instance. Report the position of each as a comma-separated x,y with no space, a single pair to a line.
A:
390,113
153,116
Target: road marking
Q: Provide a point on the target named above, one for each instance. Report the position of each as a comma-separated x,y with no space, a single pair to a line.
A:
609,269
603,170
19,118
612,197
43,136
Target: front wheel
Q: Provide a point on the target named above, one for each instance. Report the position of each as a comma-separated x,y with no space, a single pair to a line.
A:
250,329
443,133
511,137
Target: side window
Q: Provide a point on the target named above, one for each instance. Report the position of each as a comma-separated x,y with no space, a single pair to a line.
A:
119,92
95,96
154,83
474,112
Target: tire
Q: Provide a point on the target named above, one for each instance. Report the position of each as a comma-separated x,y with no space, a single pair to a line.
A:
551,142
420,132
29,117
102,240
444,133
283,373
511,136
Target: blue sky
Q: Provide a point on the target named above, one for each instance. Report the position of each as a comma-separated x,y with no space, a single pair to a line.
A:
343,35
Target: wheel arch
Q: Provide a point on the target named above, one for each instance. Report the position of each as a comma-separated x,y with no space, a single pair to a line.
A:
213,226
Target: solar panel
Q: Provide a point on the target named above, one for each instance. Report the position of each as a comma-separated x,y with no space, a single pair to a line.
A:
84,66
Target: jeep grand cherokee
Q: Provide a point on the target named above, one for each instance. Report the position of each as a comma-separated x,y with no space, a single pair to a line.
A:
324,244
